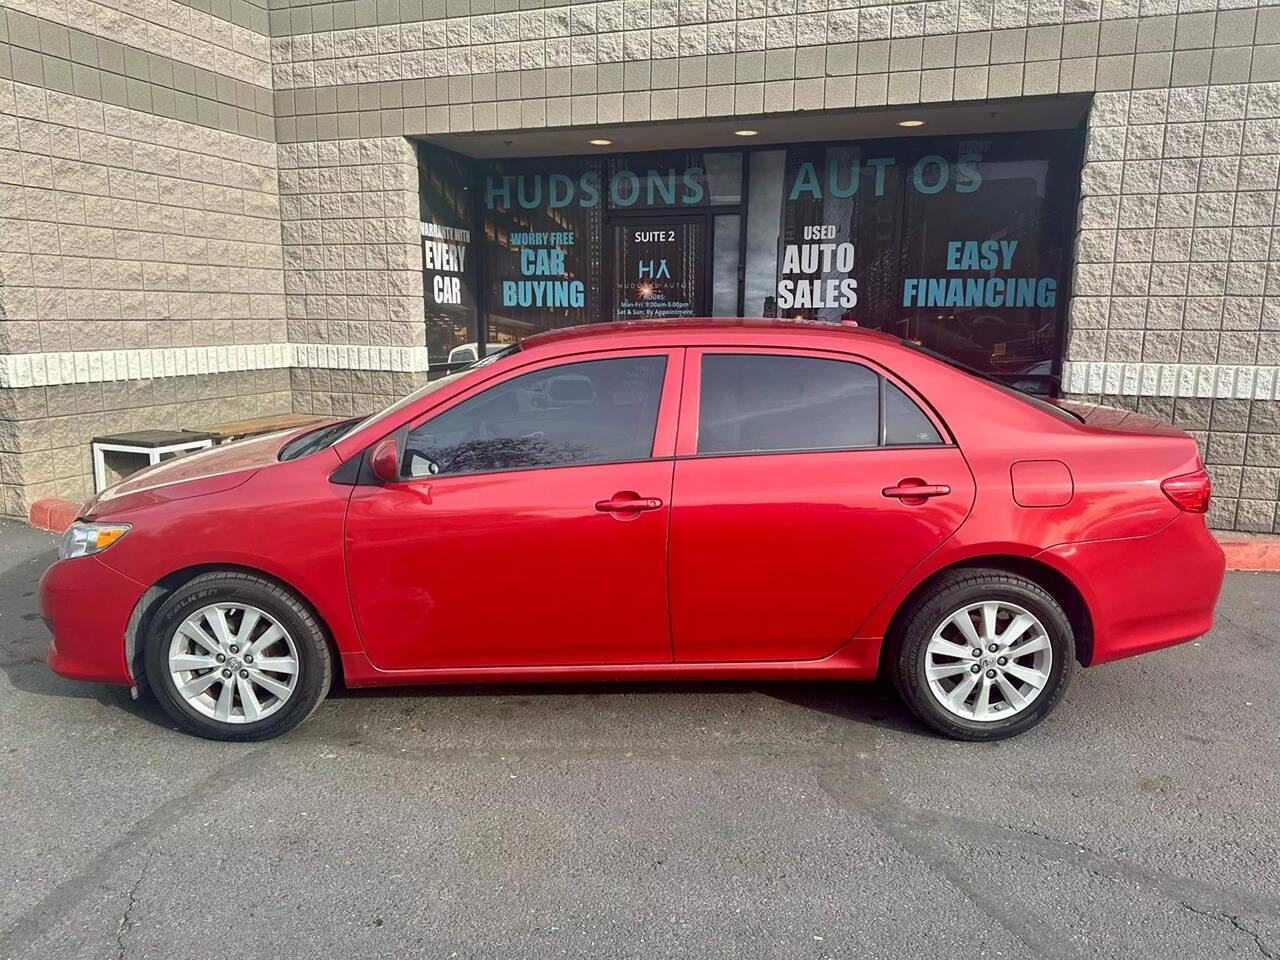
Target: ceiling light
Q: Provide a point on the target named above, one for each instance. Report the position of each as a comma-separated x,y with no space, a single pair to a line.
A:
600,142
911,123
745,133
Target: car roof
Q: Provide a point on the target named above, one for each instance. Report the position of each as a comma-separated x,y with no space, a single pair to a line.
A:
694,328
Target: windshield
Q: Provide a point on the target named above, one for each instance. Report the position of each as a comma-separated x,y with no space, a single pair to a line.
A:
428,388
314,440
1039,403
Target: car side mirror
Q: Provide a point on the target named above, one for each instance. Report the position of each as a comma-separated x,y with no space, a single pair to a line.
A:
384,461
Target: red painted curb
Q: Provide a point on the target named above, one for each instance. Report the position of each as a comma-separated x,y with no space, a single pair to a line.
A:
52,514
1258,555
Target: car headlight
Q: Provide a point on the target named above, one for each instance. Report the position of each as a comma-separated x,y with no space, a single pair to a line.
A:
83,539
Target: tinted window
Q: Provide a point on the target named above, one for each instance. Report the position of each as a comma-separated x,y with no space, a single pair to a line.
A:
598,411
904,422
760,403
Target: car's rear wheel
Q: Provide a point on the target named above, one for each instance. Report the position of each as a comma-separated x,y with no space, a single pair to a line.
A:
232,656
984,654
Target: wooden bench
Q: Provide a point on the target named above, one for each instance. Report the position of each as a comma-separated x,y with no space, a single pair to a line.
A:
256,426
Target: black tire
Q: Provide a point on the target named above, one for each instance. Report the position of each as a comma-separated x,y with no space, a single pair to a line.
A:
315,664
906,659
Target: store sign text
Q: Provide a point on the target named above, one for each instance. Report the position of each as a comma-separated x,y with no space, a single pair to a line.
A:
545,281
929,175
444,257
980,291
824,257
626,188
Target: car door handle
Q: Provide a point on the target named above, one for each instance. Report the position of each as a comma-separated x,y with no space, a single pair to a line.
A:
628,502
916,490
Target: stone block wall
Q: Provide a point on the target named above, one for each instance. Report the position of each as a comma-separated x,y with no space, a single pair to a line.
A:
45,431
1176,294
141,271
353,278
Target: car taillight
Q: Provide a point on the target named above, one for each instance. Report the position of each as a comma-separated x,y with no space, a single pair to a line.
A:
1189,492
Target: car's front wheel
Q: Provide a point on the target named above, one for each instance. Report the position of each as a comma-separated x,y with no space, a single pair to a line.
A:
233,656
985,654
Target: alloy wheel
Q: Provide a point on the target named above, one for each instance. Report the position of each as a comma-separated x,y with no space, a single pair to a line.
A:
233,662
988,661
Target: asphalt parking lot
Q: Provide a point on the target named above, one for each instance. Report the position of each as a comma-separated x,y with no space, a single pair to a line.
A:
748,820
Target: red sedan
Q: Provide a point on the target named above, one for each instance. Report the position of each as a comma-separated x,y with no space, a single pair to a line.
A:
702,500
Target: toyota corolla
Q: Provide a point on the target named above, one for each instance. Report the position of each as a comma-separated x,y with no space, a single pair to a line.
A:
694,500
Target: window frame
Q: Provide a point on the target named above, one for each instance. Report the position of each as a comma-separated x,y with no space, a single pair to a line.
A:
664,436
691,402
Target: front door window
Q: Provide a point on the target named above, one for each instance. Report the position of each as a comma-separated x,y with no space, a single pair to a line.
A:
596,411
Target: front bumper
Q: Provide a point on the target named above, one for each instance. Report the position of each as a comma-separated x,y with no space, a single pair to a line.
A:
87,606
1144,593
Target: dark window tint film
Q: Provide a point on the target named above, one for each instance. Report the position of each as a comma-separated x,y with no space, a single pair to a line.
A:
905,423
597,411
760,403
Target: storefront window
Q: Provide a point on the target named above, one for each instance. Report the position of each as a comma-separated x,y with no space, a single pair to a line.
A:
543,223
658,268
687,178
957,243
725,272
838,208
724,177
764,223
446,219
982,256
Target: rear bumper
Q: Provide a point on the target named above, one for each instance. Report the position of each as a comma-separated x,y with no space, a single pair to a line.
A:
87,606
1144,593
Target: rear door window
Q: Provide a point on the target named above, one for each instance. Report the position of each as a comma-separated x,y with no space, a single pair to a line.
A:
768,403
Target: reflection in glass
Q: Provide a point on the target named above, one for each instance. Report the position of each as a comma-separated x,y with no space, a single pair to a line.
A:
597,411
764,217
543,226
724,177
904,422
1008,254
685,179
724,266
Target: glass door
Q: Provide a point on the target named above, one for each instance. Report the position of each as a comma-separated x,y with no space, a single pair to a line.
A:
658,267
